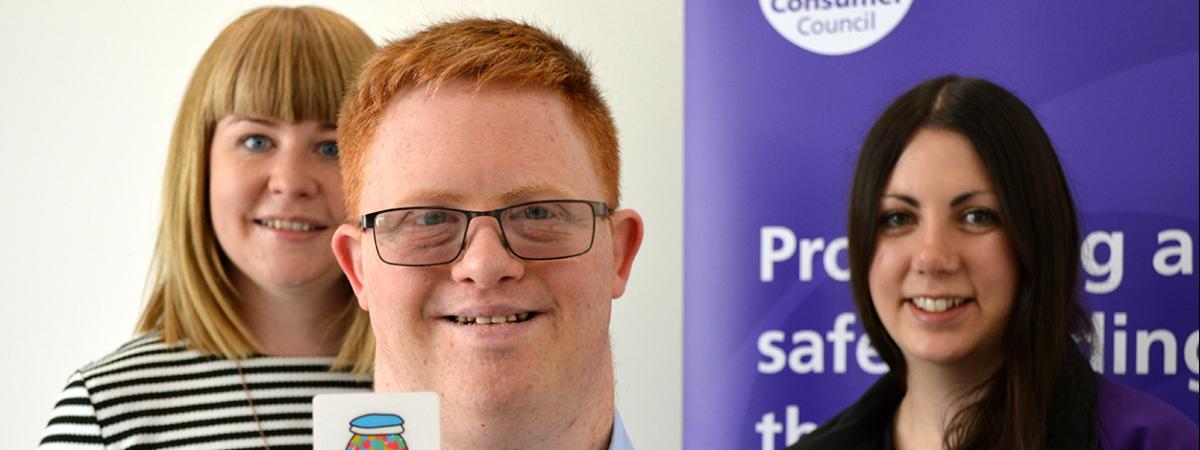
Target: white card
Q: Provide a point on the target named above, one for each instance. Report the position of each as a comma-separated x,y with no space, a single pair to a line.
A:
346,421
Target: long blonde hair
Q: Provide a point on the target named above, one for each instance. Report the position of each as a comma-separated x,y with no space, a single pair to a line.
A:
290,64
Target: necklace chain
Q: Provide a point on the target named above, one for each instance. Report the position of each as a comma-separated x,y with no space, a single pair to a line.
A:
250,401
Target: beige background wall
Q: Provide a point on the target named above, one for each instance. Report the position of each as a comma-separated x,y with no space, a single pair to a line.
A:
88,92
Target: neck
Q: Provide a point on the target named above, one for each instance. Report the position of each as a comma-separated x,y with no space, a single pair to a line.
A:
293,321
579,415
933,397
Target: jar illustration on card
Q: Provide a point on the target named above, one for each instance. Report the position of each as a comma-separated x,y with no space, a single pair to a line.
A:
377,432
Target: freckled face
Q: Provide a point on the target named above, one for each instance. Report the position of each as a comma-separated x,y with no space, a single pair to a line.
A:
944,276
481,151
275,197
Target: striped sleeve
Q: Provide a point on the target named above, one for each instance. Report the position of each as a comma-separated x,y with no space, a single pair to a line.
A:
149,395
73,423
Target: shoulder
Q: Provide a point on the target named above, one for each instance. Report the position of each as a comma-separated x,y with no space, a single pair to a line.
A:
74,422
133,359
139,349
861,425
1131,419
142,346
154,394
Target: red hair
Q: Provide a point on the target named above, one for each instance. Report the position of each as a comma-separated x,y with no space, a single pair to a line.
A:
481,51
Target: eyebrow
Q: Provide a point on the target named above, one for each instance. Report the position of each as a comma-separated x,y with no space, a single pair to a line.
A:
513,195
912,201
964,197
257,120
527,191
433,197
904,198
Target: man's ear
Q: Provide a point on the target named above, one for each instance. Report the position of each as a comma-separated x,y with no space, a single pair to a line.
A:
627,229
347,249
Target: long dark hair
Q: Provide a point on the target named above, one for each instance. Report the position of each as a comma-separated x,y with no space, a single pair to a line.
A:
1011,409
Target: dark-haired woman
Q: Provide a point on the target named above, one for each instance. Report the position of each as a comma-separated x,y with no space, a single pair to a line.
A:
964,263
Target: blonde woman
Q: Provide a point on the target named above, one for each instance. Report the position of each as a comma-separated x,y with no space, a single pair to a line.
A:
248,315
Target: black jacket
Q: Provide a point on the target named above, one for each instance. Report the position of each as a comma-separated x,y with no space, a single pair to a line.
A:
867,424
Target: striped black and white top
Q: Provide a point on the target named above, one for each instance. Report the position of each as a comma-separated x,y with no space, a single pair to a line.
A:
149,395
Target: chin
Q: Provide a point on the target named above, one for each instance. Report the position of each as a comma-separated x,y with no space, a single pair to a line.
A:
940,360
959,357
298,276
491,391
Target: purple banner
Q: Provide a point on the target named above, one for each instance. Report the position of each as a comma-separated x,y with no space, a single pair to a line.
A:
780,93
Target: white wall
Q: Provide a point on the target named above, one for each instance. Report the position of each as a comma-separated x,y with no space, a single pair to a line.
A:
88,92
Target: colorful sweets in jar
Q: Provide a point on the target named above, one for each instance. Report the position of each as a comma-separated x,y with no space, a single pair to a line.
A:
377,432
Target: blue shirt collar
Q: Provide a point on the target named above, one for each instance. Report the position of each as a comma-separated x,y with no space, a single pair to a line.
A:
620,440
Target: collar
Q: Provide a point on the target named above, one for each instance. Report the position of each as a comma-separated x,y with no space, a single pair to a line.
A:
619,440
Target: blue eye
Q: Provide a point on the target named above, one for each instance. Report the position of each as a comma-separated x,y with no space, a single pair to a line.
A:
535,212
256,143
329,150
433,218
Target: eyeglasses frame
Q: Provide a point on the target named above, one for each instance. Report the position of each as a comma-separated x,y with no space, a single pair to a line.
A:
599,209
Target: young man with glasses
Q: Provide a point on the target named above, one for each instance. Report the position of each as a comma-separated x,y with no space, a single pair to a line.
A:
481,173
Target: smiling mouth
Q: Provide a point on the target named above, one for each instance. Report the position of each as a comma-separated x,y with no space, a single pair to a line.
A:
493,320
288,225
936,305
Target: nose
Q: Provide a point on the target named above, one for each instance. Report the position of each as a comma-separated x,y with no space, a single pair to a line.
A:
936,252
291,173
486,261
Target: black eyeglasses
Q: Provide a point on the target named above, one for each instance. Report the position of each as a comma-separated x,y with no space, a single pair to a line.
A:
538,231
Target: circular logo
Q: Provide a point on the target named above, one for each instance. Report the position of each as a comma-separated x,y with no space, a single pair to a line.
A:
834,27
